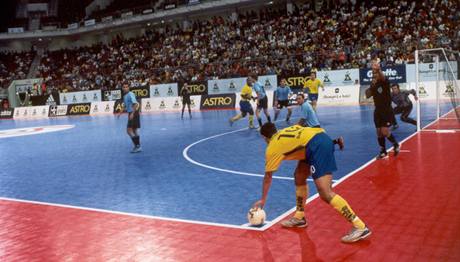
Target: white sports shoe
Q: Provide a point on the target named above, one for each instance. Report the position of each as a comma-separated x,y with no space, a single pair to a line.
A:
356,234
136,149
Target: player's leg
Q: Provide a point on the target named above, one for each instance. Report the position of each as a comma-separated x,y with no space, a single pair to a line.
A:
251,117
405,115
258,109
289,113
396,111
265,108
183,108
189,110
300,177
243,111
324,187
136,138
320,153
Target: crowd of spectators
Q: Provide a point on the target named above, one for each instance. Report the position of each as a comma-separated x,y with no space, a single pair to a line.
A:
343,34
13,66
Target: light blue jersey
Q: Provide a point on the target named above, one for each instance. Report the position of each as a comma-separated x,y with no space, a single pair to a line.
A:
282,93
260,90
129,99
309,115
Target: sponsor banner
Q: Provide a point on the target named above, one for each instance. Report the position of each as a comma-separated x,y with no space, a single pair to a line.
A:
80,97
427,90
339,95
72,26
112,95
339,77
197,88
60,110
31,112
15,30
79,109
395,74
221,101
140,91
295,82
107,19
119,106
6,113
102,108
90,22
270,82
164,90
159,104
427,72
226,86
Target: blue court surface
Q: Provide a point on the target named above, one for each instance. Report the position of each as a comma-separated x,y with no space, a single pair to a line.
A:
179,173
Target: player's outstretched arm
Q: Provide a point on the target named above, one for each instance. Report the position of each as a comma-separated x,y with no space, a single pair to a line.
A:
265,188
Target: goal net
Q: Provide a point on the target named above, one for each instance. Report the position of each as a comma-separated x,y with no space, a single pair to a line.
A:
437,86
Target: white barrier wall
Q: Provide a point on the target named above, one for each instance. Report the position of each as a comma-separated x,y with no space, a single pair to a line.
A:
80,97
339,95
102,108
31,112
164,90
162,104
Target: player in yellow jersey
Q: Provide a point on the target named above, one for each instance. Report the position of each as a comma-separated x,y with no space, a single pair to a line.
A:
245,104
314,151
312,85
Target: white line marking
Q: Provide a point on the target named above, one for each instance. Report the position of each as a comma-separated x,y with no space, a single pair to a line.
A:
441,130
129,214
188,158
404,151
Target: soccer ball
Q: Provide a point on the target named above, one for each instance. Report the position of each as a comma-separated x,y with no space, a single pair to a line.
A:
256,216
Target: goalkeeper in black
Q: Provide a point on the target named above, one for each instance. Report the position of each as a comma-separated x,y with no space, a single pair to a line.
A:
383,113
403,104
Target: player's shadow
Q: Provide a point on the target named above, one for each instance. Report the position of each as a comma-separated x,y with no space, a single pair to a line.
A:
306,245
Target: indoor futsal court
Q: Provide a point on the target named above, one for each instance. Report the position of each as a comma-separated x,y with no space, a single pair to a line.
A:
71,191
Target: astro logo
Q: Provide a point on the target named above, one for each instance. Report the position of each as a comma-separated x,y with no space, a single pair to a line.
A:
217,101
79,109
141,92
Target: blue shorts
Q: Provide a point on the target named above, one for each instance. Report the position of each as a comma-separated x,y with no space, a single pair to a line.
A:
246,108
313,97
319,154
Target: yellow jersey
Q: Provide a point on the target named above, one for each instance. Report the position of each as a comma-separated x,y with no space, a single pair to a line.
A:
288,144
246,93
313,85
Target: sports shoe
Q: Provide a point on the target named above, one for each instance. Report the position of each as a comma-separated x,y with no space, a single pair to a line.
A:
252,127
381,155
356,234
396,149
340,143
294,222
136,149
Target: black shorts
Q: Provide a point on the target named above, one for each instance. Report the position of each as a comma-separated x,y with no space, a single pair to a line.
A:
283,103
186,101
135,122
262,103
384,117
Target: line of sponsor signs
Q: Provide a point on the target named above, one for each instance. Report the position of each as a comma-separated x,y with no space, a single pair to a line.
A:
342,87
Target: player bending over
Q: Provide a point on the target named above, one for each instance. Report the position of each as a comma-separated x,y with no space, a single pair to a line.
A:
403,104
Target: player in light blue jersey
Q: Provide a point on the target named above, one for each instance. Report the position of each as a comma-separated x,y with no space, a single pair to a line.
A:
262,100
282,95
308,117
134,123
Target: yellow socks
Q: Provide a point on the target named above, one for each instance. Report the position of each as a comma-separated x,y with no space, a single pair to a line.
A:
301,196
251,120
342,206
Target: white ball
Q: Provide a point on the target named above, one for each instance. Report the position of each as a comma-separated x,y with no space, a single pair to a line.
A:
256,216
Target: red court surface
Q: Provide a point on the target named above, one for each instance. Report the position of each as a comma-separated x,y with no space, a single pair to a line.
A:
411,203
